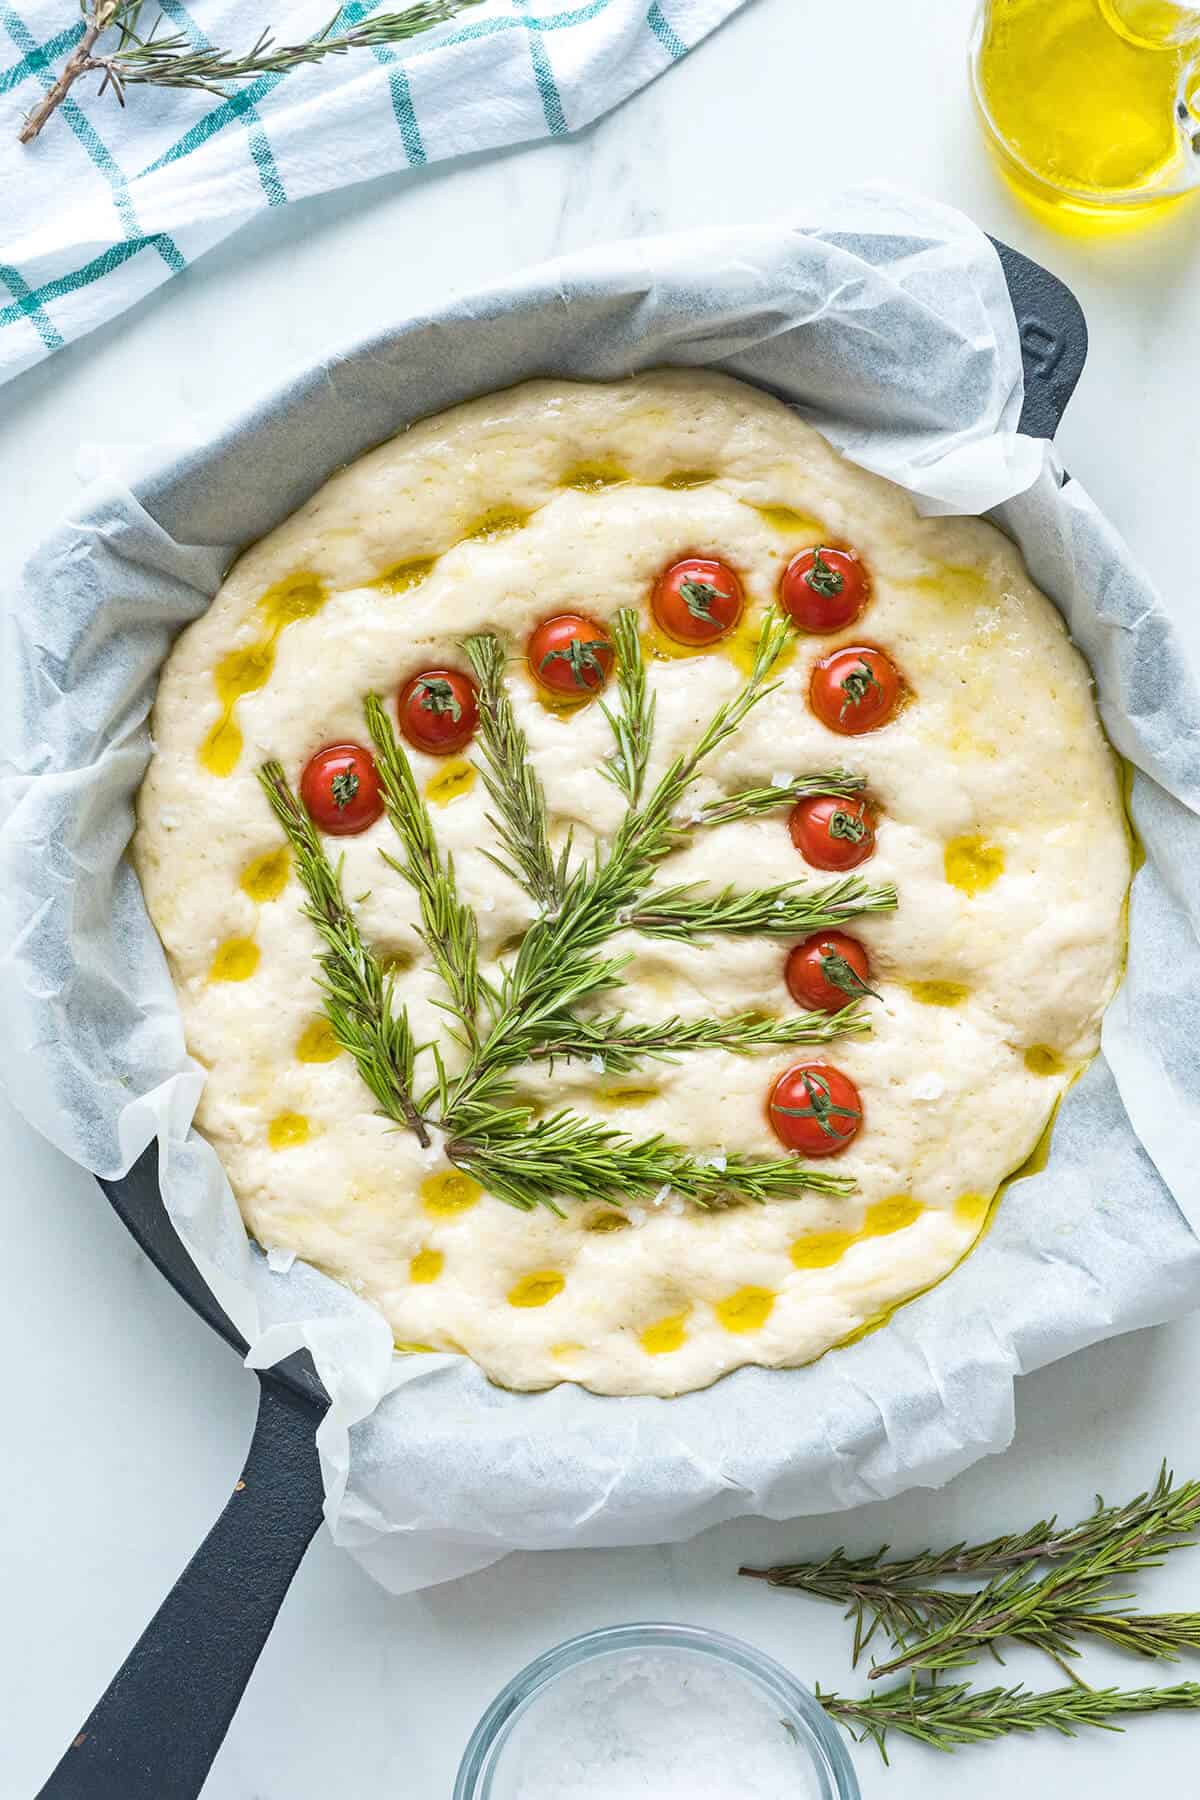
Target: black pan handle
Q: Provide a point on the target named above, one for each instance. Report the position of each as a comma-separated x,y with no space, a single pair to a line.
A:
1054,339
162,1721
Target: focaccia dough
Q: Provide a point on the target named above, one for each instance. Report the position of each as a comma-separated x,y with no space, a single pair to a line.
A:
557,497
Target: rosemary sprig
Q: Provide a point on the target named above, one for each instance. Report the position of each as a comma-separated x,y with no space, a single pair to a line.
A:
573,1158
622,1045
558,965
652,832
947,1717
788,910
753,802
633,723
1018,1604
530,1012
898,1595
169,59
1053,1627
359,1000
520,819
449,928
1164,1518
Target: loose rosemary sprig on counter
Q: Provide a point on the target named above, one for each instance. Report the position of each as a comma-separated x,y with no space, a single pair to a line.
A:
1053,1624
948,1717
529,1011
358,995
1046,1611
938,1629
170,59
1111,1543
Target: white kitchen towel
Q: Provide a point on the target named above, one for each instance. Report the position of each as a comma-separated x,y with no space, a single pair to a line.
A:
109,202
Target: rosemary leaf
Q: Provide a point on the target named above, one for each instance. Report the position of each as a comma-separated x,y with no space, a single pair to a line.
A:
623,1046
558,965
568,1157
947,1717
1018,1604
789,910
516,793
633,722
939,1628
449,929
1053,1627
358,996
751,803
1162,1519
650,833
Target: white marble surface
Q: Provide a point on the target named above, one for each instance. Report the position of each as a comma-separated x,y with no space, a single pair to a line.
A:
125,1420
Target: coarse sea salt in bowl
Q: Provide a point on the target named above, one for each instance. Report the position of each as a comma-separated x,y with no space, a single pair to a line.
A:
665,1710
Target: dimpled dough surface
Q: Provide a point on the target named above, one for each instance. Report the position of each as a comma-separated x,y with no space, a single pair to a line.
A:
494,516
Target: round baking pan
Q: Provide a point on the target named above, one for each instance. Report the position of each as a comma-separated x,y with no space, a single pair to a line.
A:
158,1727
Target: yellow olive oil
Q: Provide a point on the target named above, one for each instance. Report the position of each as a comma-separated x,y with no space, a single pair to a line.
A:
1088,103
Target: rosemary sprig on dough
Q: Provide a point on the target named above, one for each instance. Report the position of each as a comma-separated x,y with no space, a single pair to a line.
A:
788,910
633,722
558,965
622,1045
520,820
753,802
448,928
568,1157
359,999
948,1717
542,1005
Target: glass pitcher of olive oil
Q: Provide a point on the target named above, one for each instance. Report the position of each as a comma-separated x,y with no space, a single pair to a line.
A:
1092,106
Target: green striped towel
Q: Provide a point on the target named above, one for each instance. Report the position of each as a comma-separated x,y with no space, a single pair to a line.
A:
107,204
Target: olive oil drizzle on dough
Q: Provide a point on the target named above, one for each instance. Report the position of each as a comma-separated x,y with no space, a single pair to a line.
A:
302,595
244,671
450,783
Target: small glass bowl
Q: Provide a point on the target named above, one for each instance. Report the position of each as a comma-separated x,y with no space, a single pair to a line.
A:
816,1737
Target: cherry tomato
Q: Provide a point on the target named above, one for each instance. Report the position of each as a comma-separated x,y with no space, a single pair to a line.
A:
341,789
828,971
697,600
831,832
824,590
814,1109
855,689
438,711
570,654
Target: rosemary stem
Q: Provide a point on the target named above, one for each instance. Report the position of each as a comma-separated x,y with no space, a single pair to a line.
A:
168,60
80,61
949,1717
